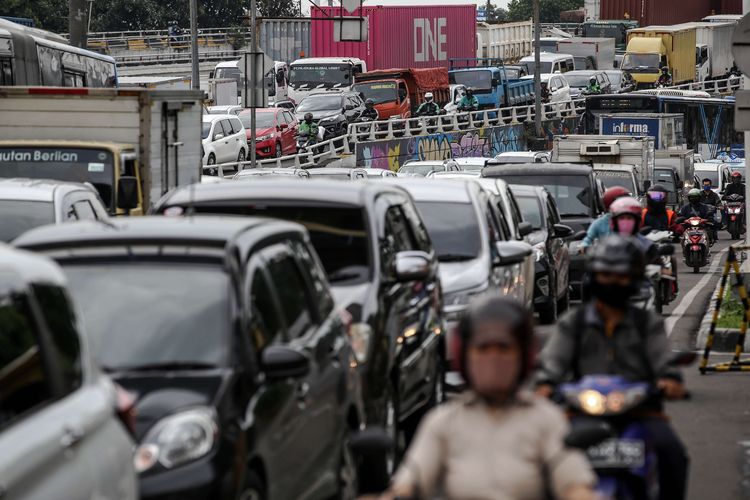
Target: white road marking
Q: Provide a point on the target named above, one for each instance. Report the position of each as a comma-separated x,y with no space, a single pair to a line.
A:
688,298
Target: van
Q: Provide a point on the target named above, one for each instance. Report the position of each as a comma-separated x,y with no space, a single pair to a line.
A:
550,63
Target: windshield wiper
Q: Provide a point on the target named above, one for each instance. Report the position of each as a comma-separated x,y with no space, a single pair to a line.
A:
163,366
455,257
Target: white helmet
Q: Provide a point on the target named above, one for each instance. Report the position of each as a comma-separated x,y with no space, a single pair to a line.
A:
428,96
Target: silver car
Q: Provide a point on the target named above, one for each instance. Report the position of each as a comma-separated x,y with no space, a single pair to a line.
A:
59,427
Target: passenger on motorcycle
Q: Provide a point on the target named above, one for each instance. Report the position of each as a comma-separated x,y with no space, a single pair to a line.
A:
696,208
429,107
625,220
370,112
308,127
601,226
607,335
468,102
665,78
737,186
496,440
594,87
708,196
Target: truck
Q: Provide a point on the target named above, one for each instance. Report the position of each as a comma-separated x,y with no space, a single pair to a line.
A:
508,41
616,29
600,50
274,80
132,145
491,86
323,74
399,92
683,160
667,129
650,49
713,49
608,150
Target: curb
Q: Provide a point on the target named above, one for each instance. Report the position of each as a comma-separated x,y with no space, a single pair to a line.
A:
725,339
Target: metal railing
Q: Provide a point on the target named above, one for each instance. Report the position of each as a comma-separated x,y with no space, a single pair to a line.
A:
177,58
723,86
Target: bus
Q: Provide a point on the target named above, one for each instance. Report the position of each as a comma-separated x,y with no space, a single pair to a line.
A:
709,122
33,57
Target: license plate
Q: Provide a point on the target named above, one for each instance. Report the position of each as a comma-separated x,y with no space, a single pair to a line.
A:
617,453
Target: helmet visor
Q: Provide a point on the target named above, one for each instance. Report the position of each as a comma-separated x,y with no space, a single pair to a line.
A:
657,196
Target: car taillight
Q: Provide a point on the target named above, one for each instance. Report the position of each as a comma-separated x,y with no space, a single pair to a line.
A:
125,408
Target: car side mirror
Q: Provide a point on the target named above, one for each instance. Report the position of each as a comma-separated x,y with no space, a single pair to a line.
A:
371,447
279,362
579,236
210,75
665,249
525,229
512,252
412,266
218,137
127,192
563,231
588,434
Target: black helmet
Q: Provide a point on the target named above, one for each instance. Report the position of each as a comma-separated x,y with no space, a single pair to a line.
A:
592,79
369,102
616,254
656,197
308,117
665,69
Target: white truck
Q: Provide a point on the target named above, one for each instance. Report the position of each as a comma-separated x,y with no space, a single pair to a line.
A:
600,50
713,51
608,149
133,145
321,74
508,41
275,80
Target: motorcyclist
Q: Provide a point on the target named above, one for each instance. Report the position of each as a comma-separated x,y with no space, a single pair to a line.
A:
601,226
497,439
708,196
370,112
665,77
594,87
468,102
544,92
308,128
606,334
656,215
736,186
625,220
696,208
429,107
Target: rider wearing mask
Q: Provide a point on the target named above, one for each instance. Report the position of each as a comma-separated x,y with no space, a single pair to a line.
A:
308,126
625,220
468,102
707,194
496,440
429,107
370,112
601,226
608,335
696,208
736,187
665,77
594,87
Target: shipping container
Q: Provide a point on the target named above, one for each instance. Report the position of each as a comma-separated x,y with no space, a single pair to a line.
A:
285,39
729,7
592,9
401,37
656,12
509,41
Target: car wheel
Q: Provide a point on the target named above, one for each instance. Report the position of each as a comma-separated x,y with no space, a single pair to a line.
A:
211,160
241,156
347,474
254,488
279,152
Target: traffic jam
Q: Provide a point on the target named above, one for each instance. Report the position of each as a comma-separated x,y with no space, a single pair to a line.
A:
448,259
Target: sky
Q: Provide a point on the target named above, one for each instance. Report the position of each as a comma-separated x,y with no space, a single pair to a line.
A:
497,3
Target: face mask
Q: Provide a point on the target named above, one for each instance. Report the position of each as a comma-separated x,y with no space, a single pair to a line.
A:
626,226
613,295
707,188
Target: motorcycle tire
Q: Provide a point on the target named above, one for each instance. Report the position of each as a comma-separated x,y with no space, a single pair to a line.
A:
696,269
658,305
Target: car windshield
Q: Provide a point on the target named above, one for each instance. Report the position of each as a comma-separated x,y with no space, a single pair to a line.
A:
150,317
453,229
578,80
513,73
531,210
313,76
474,79
21,215
615,77
206,130
709,174
320,103
421,169
641,62
571,192
612,178
379,92
262,120
665,178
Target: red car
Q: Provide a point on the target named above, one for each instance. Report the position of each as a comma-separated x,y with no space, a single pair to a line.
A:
275,129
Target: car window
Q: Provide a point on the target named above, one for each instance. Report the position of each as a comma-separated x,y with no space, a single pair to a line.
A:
421,236
21,360
84,210
292,293
218,129
236,125
314,272
396,236
265,323
289,117
554,212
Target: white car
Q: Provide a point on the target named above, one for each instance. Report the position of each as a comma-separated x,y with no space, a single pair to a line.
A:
224,110
549,63
558,86
59,428
523,157
224,139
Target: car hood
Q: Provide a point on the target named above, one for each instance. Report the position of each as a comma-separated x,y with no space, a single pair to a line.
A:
162,393
263,131
320,115
352,298
456,276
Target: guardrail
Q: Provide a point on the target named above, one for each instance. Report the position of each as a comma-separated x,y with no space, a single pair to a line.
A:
177,58
723,86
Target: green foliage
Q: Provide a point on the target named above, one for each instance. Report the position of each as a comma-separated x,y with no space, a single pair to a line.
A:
549,10
731,312
279,8
51,15
497,15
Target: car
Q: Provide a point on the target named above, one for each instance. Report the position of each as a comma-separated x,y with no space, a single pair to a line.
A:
228,337
557,85
58,412
550,63
225,110
549,240
376,173
29,203
470,163
578,196
422,168
523,157
669,177
515,72
383,271
579,81
340,173
621,81
711,171
253,173
476,257
275,131
464,174
333,111
288,105
506,203
224,140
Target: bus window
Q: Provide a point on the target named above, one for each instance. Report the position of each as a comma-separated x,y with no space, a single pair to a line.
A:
49,66
6,71
73,79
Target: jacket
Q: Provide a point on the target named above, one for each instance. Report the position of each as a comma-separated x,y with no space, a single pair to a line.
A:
710,198
308,128
597,230
428,108
469,103
701,210
371,114
735,189
658,222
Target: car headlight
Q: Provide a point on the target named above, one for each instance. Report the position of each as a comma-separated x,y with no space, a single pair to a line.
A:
359,336
264,137
332,119
177,439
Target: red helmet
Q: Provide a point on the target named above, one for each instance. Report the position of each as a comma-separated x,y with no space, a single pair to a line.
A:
612,194
736,174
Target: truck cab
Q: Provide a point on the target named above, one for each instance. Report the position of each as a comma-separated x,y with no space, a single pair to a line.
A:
275,80
490,83
399,92
644,59
616,29
321,74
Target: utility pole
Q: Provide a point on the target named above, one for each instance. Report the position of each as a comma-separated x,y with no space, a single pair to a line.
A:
746,81
537,76
195,73
77,22
253,81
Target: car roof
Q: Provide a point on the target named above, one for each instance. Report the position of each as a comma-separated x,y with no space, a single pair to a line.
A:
493,184
511,154
36,189
21,268
250,172
214,231
547,57
584,72
411,163
327,191
214,118
332,170
448,190
471,160
535,169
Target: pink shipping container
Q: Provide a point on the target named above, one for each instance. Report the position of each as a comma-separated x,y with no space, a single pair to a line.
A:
728,6
657,12
426,36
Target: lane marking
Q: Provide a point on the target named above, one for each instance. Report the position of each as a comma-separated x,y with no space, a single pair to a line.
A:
689,298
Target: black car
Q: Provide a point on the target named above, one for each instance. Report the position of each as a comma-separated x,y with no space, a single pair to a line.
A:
333,111
225,331
576,191
552,267
382,268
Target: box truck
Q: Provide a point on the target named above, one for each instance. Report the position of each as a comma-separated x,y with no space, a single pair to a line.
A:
600,50
667,129
713,49
399,92
650,49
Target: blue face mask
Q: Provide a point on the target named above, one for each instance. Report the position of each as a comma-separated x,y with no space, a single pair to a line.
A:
706,188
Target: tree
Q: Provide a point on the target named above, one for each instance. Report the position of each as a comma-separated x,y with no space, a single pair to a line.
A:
278,8
497,15
50,15
549,10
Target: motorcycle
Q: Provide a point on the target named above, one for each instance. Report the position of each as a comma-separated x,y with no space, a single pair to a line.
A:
306,141
734,210
695,243
662,276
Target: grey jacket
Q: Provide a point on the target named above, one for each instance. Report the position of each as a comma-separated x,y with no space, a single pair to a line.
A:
633,354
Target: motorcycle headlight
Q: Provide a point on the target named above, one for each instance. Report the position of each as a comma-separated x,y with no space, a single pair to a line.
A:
264,137
177,439
592,402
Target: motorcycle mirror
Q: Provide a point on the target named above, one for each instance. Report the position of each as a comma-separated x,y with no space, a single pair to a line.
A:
370,447
586,435
683,358
665,249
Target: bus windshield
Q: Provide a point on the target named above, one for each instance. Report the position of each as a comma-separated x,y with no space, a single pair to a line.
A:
61,163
